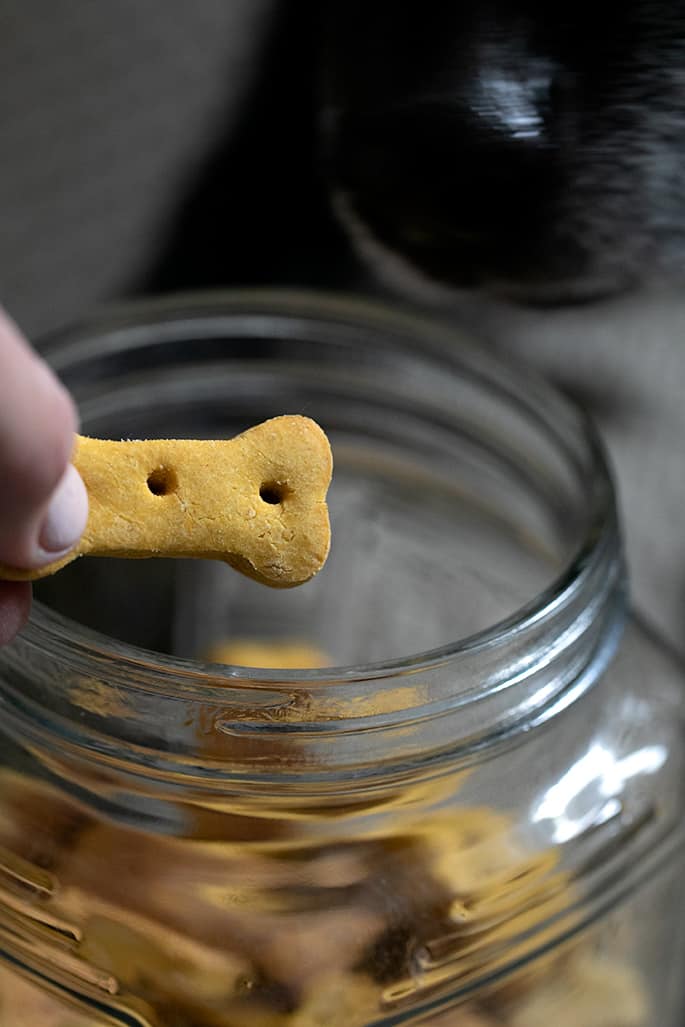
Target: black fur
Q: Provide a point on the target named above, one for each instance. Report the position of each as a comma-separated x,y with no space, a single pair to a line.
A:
530,147
258,211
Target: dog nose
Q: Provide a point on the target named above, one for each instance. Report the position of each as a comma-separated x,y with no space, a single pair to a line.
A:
473,157
469,189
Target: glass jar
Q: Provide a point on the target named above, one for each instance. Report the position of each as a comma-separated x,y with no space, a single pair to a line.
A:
469,814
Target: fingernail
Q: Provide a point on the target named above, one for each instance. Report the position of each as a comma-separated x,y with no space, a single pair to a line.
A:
66,517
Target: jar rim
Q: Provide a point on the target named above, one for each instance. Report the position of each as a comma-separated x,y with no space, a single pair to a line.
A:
118,319
69,686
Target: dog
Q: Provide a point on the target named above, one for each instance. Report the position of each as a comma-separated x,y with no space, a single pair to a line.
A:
532,150
517,167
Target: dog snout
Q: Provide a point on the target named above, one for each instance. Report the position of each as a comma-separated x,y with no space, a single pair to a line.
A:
514,150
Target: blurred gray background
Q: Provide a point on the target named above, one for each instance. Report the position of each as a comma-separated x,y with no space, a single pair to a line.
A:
106,109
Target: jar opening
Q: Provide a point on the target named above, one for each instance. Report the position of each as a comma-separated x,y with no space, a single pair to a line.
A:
476,574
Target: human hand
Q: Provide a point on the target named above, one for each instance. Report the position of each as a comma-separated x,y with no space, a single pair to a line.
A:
43,501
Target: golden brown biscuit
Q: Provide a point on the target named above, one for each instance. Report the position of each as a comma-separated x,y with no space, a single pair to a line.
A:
280,654
339,1000
257,501
462,1016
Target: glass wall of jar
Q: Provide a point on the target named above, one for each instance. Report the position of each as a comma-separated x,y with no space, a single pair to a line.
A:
467,811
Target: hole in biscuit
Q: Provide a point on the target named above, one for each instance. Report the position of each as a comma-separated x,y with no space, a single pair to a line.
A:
162,481
272,492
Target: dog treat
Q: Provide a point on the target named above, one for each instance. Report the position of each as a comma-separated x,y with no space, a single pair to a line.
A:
280,654
257,502
463,1016
242,922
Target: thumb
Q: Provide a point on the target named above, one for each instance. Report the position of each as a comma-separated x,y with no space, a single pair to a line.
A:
43,501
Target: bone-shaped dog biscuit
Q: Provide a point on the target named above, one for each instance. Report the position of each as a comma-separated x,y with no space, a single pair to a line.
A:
280,654
257,501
